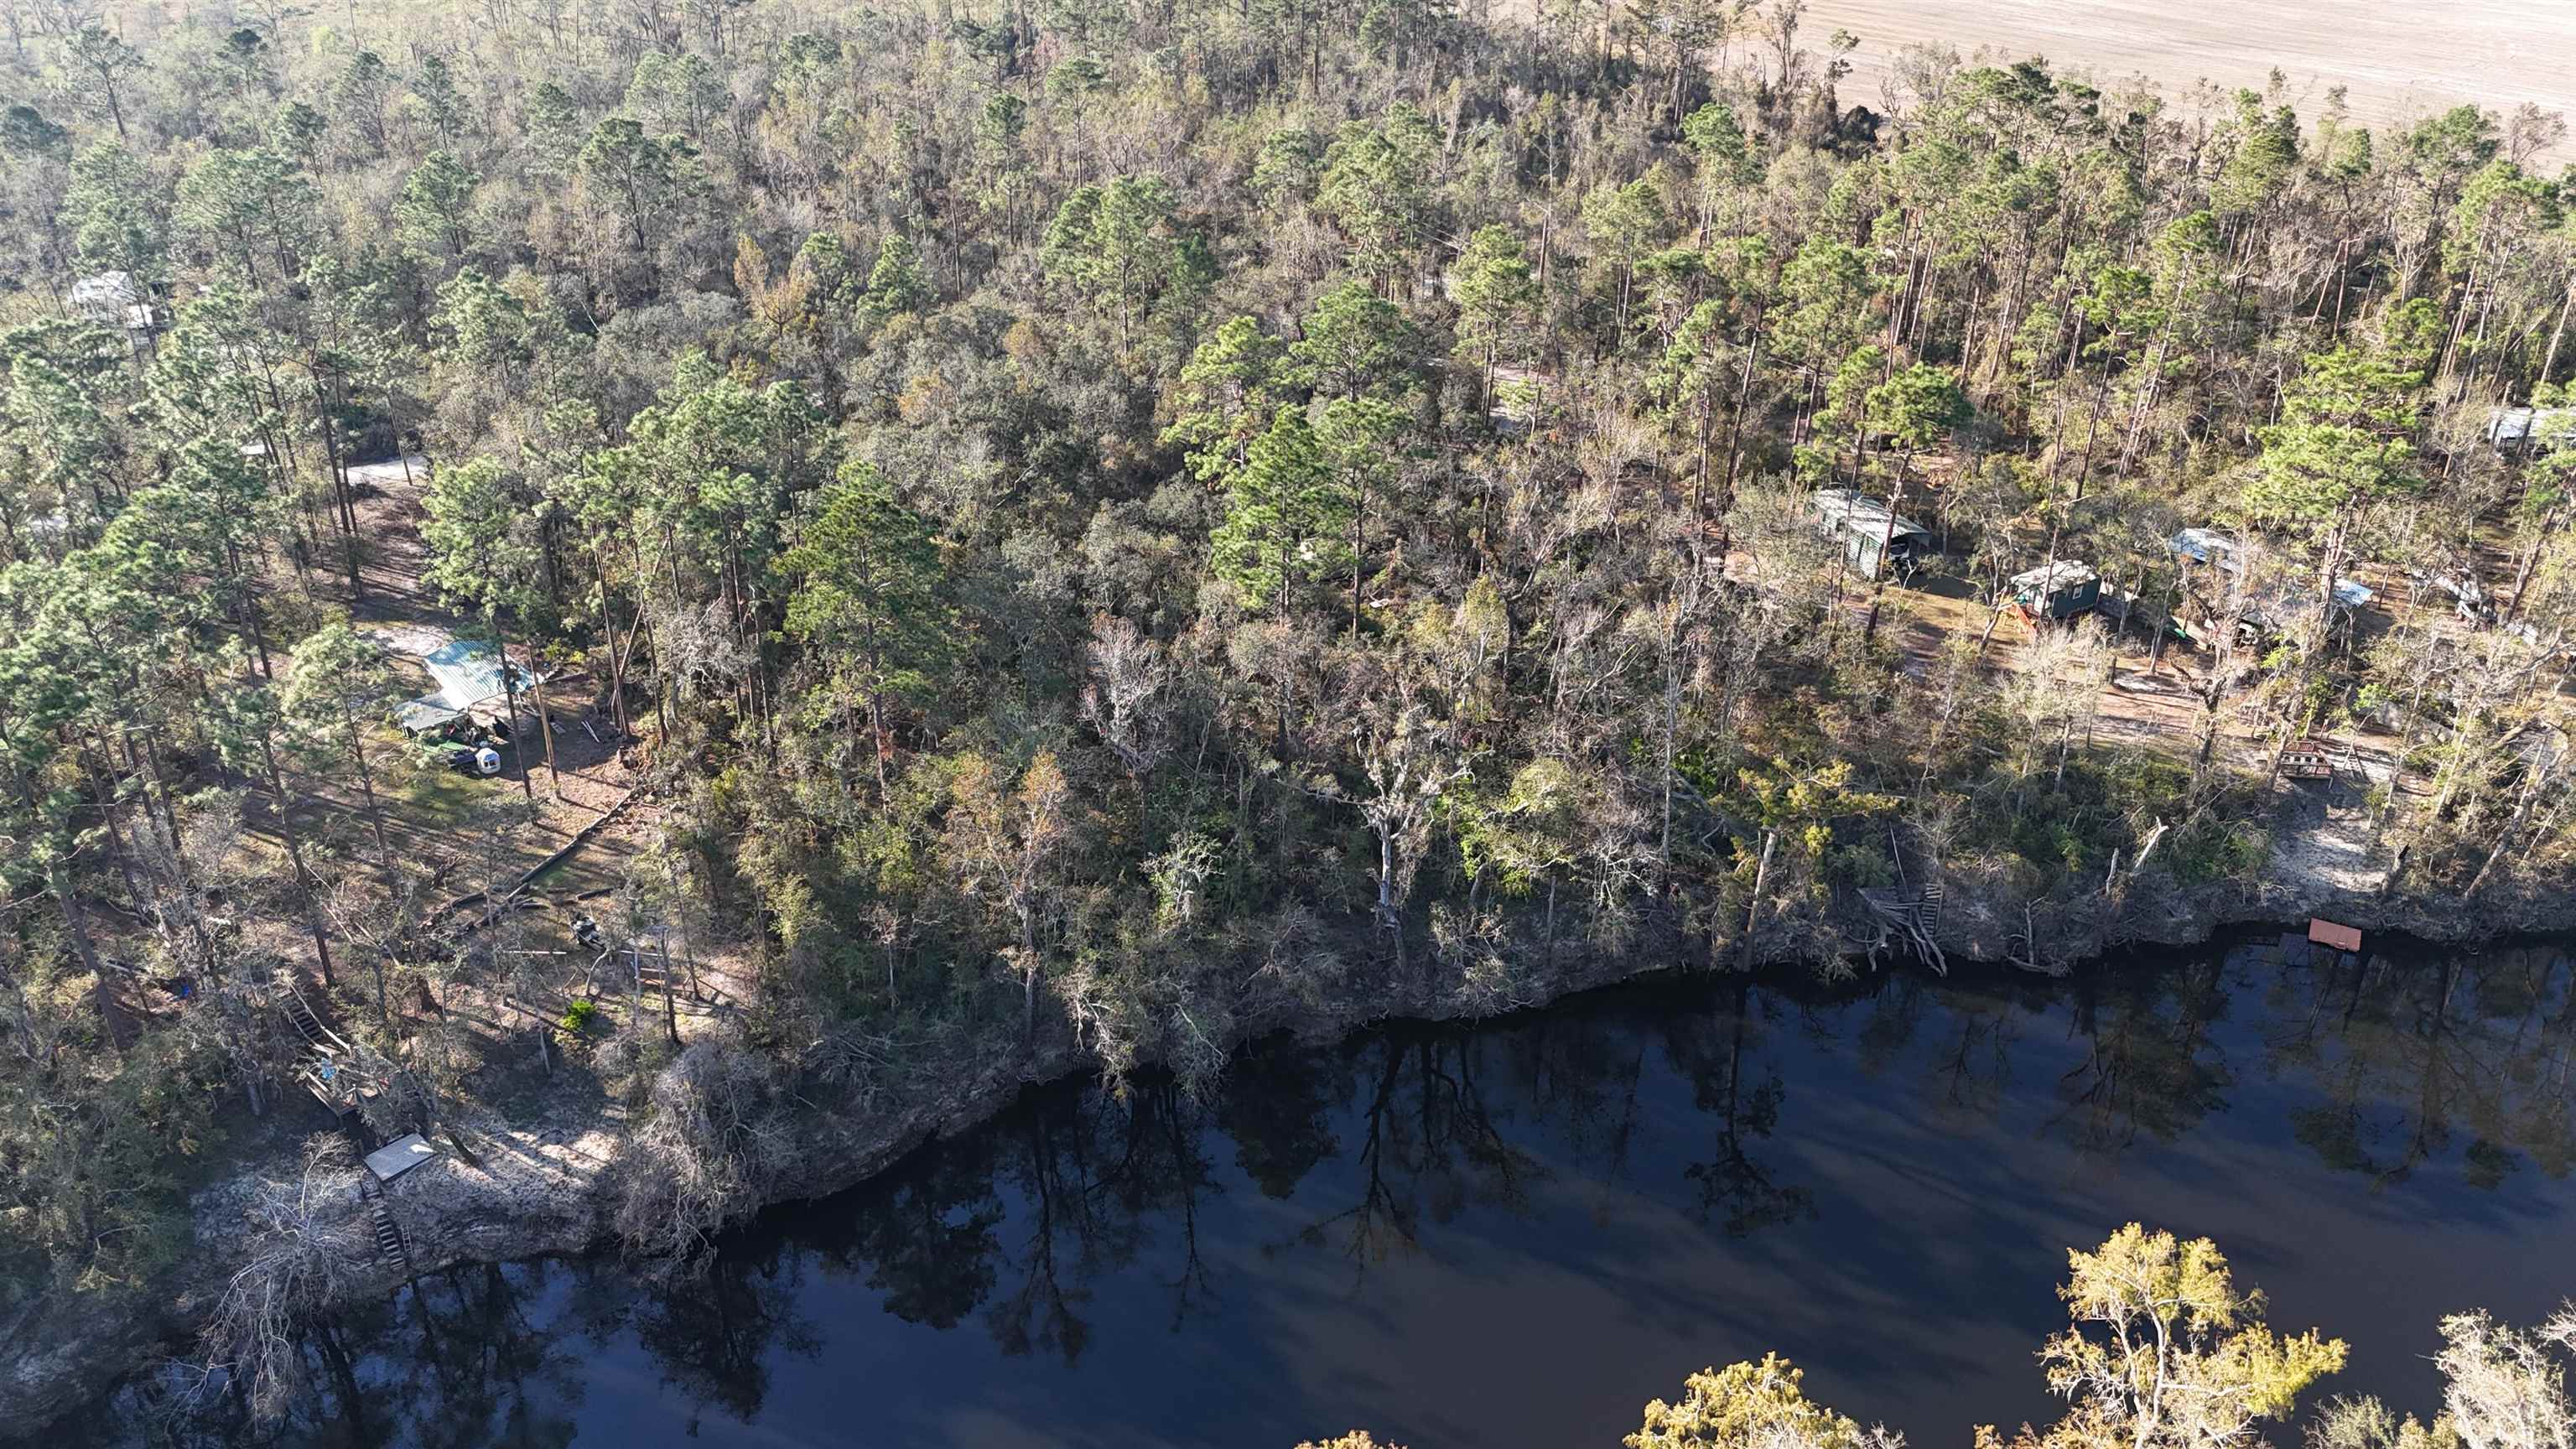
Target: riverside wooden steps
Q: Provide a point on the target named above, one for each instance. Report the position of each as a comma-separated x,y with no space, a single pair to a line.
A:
390,1246
324,1069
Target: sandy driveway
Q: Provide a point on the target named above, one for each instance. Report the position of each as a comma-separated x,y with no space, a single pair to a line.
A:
2399,60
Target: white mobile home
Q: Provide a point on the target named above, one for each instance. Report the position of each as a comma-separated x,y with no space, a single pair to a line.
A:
1862,523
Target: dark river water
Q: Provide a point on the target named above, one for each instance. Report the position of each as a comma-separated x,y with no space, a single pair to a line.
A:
1515,1234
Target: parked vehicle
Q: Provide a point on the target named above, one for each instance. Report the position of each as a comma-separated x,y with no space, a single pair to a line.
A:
477,760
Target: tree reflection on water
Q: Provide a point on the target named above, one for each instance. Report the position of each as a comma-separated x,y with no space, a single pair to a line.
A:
2409,1061
1081,1215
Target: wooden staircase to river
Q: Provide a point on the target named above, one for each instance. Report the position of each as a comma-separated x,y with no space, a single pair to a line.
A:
328,1068
381,1225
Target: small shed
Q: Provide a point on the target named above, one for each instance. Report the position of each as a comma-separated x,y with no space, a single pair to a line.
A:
2334,935
2062,590
115,299
1861,523
2531,429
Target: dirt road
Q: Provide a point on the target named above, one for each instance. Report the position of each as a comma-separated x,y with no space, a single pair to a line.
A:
2398,61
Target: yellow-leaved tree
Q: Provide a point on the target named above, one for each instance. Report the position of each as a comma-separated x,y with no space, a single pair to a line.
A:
1753,1406
2165,1353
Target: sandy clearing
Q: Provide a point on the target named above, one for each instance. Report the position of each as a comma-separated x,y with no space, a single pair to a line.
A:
2398,61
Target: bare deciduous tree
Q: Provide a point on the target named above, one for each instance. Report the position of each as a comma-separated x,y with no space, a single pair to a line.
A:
2507,1387
306,1246
1005,840
713,1144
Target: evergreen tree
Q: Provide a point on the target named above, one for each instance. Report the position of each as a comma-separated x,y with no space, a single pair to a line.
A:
868,599
1286,515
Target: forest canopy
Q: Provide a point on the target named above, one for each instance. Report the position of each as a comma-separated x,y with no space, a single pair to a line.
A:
1073,532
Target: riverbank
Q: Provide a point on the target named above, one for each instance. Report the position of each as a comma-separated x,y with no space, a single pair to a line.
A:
544,1188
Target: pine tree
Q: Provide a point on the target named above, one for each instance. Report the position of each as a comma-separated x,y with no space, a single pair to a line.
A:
1286,513
869,598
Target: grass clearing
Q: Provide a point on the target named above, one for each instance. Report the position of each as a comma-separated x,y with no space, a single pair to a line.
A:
439,798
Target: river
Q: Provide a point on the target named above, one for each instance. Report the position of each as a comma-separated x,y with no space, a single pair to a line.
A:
1515,1233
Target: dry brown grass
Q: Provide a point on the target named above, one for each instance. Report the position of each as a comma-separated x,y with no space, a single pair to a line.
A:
2397,62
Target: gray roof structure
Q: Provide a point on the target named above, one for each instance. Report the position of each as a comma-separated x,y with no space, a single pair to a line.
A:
2064,574
420,716
468,672
1846,509
2517,427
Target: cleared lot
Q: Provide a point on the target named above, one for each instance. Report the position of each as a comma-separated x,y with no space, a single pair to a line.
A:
2398,61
